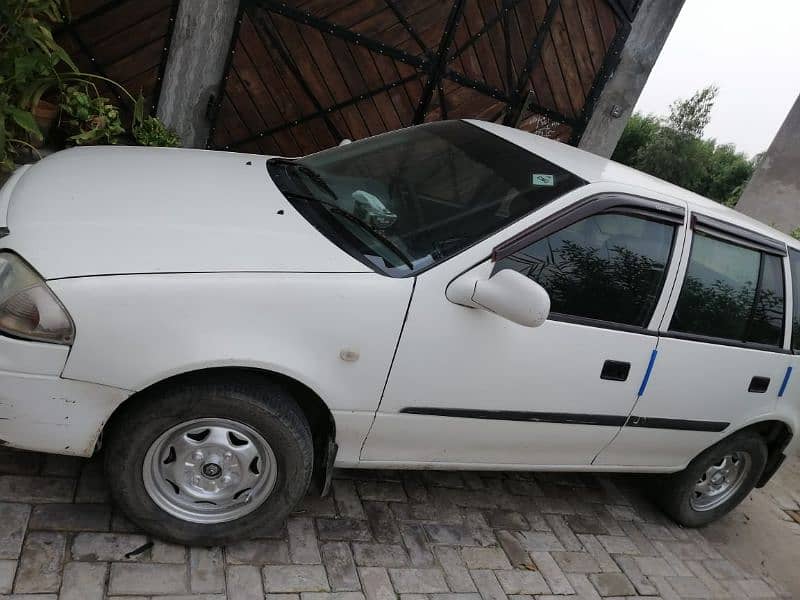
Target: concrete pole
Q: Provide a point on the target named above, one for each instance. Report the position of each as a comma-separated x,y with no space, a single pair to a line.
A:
773,193
199,48
649,31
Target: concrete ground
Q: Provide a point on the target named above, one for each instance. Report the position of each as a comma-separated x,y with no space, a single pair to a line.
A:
416,535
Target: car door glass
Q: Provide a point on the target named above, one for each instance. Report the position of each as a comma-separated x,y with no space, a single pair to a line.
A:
731,292
607,267
794,264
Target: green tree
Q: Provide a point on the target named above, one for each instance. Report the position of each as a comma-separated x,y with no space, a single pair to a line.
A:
672,148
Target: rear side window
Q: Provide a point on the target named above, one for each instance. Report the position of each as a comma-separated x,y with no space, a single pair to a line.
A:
607,267
794,264
731,292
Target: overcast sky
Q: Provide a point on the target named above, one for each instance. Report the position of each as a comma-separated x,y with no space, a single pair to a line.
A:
750,49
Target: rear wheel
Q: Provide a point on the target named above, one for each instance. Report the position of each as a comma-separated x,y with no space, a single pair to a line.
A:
210,463
715,482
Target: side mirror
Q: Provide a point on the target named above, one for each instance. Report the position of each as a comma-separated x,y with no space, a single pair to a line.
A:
507,293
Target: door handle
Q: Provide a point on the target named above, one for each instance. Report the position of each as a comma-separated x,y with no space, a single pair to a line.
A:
758,385
615,370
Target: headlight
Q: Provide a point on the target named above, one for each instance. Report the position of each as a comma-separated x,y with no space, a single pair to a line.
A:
28,309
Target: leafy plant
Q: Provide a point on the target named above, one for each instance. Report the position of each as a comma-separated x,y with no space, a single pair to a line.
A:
28,54
89,119
151,131
673,149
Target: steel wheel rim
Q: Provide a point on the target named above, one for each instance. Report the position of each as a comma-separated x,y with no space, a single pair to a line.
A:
209,470
720,481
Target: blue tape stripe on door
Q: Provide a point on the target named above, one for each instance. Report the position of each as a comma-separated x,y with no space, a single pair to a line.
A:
647,372
785,381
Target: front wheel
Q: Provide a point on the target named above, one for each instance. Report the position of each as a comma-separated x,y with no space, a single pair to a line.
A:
207,463
715,482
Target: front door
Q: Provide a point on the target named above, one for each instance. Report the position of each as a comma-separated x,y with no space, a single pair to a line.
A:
469,387
722,359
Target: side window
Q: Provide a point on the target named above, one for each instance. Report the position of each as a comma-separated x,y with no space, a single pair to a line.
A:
794,264
609,267
731,292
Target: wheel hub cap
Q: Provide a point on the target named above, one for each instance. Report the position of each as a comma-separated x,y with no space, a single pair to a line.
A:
720,481
209,470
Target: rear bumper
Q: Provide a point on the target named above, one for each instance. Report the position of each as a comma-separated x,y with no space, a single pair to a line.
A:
41,411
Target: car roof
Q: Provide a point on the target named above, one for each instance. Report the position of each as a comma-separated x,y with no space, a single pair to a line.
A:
593,168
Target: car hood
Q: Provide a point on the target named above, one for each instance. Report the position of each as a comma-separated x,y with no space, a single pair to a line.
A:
116,210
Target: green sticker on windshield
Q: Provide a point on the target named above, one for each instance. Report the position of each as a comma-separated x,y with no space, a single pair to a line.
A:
543,179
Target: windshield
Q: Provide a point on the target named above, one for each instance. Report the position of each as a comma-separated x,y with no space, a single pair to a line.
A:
405,200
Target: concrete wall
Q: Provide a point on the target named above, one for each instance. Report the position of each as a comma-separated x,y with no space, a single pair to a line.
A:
650,29
773,194
198,52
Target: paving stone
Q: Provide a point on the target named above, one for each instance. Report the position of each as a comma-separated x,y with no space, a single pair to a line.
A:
295,578
332,596
7,570
146,579
418,581
582,586
347,500
165,552
699,571
341,568
485,558
21,488
652,565
506,519
40,563
534,541
612,584
631,568
689,587
418,551
13,523
109,547
564,534
316,506
30,597
206,570
83,581
376,583
576,562
516,554
19,462
382,522
451,535
524,488
598,552
585,524
244,583
519,581
487,584
723,569
476,523
456,574
664,589
62,466
455,596
343,530
552,573
303,548
756,588
686,550
379,555
386,491
258,552
92,485
676,563
643,545
622,513
617,544
71,517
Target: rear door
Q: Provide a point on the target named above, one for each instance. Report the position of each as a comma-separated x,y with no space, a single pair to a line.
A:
722,355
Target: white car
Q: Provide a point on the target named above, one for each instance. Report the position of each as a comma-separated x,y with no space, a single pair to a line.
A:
458,295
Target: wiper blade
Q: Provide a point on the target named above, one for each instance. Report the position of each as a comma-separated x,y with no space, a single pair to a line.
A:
334,208
308,172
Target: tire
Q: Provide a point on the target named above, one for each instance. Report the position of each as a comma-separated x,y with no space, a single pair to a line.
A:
211,440
690,506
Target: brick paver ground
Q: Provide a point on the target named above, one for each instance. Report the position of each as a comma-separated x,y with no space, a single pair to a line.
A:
381,534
